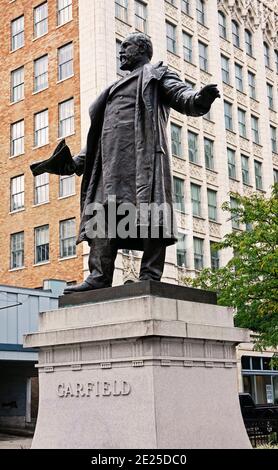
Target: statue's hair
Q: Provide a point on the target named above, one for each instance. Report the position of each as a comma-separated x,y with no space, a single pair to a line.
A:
143,40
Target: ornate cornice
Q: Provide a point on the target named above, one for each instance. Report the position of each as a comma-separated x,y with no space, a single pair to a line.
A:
260,13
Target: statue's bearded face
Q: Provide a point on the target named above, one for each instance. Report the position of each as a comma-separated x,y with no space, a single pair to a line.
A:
131,54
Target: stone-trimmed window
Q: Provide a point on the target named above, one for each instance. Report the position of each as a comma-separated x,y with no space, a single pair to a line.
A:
181,250
235,34
225,69
266,55
200,12
179,194
193,147
198,253
239,77
255,129
17,193
231,154
248,42
203,56
17,138
209,153
17,250
40,20
141,15
64,11
17,33
212,205
269,89
273,134
222,24
245,169
252,85
41,128
228,115
121,10
176,140
67,238
258,174
214,257
241,122
196,200
42,244
187,47
171,37
17,85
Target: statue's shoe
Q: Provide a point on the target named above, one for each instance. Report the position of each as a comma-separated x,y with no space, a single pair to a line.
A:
84,287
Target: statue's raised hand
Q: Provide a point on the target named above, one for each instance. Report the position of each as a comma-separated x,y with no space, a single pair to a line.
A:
207,95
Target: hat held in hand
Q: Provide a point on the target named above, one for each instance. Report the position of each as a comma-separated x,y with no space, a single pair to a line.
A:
59,163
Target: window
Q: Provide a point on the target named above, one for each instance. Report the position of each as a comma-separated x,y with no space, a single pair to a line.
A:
258,175
231,163
41,73
200,11
121,9
120,72
273,134
266,55
241,122
276,59
40,20
193,147
140,16
41,128
214,257
17,84
189,84
255,129
239,79
179,194
181,250
228,113
41,244
225,68
203,56
235,34
17,193
245,169
67,186
187,47
176,140
222,25
42,188
196,199
66,118
208,145
248,43
185,6
212,205
17,138
64,11
198,253
252,85
269,95
171,37
17,250
234,217
275,176
67,238
17,33
65,61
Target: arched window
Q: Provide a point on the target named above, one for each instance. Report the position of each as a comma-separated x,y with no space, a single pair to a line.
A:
266,55
222,25
248,42
235,34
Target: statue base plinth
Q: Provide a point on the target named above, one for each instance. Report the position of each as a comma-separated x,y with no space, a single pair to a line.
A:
150,369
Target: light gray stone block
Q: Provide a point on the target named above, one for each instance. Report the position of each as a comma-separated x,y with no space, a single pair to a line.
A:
143,372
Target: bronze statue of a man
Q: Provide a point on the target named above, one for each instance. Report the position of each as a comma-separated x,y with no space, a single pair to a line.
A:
126,158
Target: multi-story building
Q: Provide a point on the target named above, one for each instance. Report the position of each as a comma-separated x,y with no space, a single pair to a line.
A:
40,104
56,56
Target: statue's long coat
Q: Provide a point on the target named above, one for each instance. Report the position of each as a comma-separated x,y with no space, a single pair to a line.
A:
159,90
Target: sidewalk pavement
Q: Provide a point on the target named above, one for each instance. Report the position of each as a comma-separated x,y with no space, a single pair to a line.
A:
8,441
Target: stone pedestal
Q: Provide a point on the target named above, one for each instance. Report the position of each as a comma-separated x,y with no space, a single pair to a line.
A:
148,365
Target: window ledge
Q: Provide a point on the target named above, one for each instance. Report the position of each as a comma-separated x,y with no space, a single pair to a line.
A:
39,91
248,185
215,222
212,171
40,146
39,37
234,179
12,270
18,155
14,102
199,217
41,204
177,156
16,211
14,50
195,164
66,197
64,79
67,258
41,264
63,24
64,136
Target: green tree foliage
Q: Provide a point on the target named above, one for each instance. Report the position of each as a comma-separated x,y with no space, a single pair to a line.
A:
249,281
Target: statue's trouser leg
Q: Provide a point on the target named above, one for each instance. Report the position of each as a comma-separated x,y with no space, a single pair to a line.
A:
153,260
102,257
